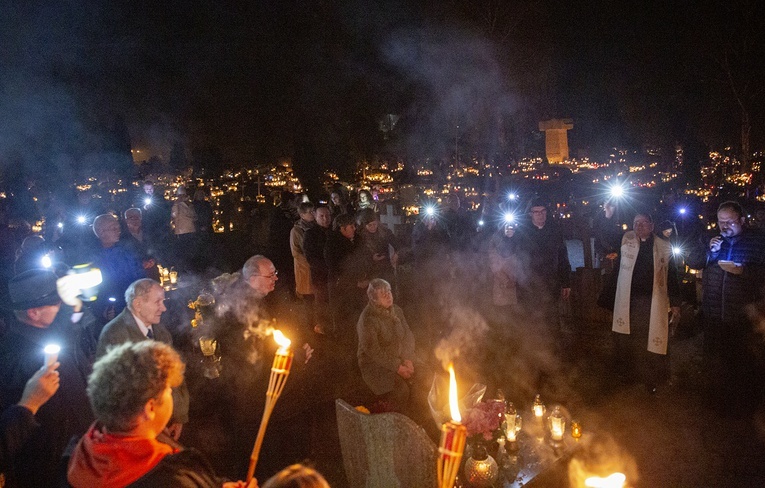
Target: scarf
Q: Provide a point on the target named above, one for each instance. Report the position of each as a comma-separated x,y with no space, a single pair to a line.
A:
658,331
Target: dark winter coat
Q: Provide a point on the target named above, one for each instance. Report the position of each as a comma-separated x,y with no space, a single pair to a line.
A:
68,412
385,341
549,269
726,295
313,247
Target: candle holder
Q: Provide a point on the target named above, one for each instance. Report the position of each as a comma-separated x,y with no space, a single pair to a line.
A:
513,424
173,277
538,408
280,370
557,424
211,365
576,429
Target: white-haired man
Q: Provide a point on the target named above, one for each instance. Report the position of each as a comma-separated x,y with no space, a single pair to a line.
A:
140,321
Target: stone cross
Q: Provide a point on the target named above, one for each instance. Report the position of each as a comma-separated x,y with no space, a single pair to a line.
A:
390,218
556,138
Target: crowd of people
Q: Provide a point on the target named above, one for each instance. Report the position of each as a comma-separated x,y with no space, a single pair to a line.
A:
125,382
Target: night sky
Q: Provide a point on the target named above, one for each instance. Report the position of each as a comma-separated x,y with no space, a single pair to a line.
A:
254,81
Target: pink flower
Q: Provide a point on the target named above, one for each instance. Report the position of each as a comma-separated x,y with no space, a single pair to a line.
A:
484,418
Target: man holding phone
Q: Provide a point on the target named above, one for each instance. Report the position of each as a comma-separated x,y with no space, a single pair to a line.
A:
733,264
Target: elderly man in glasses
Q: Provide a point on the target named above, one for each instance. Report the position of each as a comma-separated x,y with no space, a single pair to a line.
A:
646,290
241,322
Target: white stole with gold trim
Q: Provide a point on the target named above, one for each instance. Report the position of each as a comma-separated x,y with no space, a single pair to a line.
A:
658,331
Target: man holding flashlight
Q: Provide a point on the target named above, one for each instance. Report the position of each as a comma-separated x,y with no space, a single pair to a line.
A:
46,311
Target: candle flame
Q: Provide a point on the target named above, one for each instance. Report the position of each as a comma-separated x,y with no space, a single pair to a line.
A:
615,480
453,403
281,339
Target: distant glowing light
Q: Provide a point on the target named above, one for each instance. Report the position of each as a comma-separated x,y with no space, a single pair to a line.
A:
112,299
512,196
81,219
480,222
683,210
60,225
430,211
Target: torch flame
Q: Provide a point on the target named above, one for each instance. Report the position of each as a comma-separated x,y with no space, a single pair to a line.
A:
281,340
615,480
453,403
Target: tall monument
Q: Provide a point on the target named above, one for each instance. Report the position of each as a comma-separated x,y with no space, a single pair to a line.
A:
556,138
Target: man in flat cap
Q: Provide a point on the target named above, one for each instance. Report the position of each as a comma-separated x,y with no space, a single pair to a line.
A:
46,311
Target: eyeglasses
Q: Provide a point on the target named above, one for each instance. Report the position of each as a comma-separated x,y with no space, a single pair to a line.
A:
728,222
271,276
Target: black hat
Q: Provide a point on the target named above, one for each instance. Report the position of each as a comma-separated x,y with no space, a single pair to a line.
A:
538,202
31,289
667,224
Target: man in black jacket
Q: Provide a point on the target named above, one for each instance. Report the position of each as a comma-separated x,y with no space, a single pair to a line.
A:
41,319
313,247
733,264
548,276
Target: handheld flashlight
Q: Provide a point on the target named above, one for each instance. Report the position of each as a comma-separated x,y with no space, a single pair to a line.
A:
512,196
430,211
87,281
509,218
682,210
616,191
51,354
81,219
480,222
147,201
60,225
677,250
46,261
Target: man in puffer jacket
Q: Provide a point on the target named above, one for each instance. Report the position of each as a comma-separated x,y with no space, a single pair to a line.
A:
733,264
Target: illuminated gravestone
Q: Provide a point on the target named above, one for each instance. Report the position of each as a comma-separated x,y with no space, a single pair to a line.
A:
556,138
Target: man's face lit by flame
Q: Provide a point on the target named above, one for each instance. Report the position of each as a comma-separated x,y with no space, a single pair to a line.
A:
264,281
